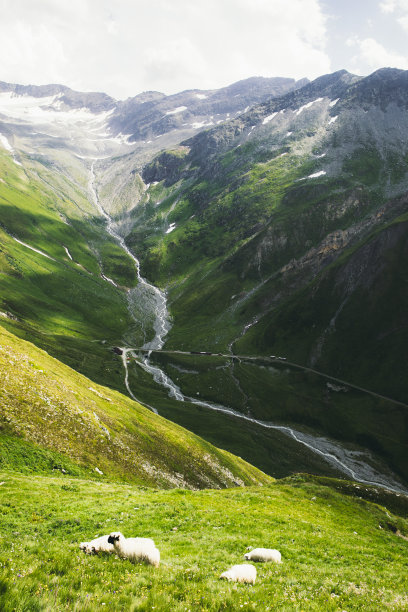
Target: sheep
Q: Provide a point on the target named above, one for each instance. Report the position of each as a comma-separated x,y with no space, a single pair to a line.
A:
264,554
135,549
240,573
97,545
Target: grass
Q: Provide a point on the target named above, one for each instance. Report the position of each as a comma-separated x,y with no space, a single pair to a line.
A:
282,394
339,552
59,303
41,397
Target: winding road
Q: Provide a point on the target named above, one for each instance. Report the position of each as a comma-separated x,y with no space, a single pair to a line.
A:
154,305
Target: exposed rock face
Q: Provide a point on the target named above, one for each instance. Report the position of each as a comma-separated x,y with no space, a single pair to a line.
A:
166,167
152,114
300,188
95,102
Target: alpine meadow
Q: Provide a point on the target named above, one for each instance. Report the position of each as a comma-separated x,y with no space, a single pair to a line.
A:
203,341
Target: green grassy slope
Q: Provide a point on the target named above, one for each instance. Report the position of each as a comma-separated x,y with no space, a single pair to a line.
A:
357,306
339,552
61,304
267,256
212,301
66,308
54,418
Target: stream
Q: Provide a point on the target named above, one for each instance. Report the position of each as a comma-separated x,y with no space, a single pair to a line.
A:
152,302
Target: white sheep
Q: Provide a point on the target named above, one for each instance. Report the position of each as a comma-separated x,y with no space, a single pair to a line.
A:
97,545
240,573
264,554
135,549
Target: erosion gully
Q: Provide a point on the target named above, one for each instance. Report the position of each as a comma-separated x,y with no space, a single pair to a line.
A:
152,302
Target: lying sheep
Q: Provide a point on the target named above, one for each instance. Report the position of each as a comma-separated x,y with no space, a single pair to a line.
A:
135,549
240,573
97,545
264,554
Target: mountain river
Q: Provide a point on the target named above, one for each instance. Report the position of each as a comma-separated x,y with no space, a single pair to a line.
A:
152,302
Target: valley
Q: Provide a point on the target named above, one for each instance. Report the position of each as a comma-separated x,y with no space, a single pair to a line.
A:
203,340
247,227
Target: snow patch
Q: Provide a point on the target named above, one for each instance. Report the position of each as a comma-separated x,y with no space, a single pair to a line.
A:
179,109
68,253
308,105
332,119
199,125
201,96
316,174
268,118
109,280
45,110
171,228
49,113
289,134
122,139
91,157
334,102
32,248
5,143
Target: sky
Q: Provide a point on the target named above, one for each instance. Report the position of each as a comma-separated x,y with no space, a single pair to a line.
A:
124,47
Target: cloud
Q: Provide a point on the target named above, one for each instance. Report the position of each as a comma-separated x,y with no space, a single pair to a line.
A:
400,8
133,45
390,6
371,55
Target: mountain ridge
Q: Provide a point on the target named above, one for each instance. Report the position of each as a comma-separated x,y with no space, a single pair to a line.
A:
237,226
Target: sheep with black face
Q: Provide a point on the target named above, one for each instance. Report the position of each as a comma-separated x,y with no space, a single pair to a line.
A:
135,549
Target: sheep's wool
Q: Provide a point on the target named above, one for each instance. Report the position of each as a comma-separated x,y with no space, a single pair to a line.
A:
240,573
264,554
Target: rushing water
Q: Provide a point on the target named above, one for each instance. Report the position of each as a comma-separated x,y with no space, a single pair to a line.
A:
148,300
145,299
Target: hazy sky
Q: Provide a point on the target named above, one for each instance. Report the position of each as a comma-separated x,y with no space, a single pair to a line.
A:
128,46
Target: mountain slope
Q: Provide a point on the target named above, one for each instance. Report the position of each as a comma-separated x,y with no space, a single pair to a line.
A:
54,418
59,268
339,551
283,232
264,232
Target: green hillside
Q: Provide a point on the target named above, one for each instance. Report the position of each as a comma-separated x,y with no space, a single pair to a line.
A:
279,232
65,306
339,551
283,232
60,302
53,418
